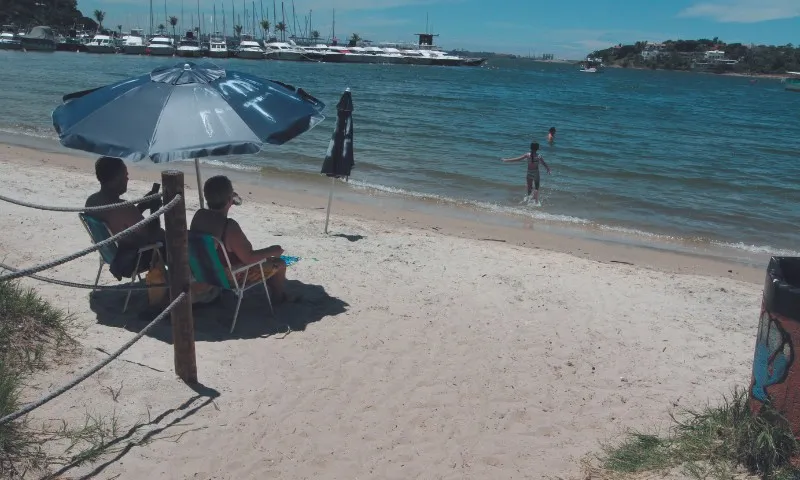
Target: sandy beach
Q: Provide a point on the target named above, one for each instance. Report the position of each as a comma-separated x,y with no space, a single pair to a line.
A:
424,347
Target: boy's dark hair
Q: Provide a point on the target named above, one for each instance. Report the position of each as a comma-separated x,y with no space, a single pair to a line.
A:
552,130
107,168
218,191
534,147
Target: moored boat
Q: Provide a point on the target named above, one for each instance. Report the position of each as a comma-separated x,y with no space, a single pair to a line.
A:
39,39
189,46
218,47
101,44
792,83
133,43
8,39
284,51
160,46
249,49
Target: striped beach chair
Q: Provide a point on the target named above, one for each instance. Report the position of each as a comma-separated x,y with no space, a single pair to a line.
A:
98,231
208,266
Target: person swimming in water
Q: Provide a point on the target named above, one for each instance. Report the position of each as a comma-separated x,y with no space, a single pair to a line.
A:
534,159
551,135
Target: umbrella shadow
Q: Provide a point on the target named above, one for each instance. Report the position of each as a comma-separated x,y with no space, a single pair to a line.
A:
351,238
212,322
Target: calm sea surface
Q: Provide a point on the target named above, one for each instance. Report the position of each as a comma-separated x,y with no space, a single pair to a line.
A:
693,158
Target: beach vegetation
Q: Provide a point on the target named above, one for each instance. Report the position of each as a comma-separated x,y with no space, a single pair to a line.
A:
719,442
281,27
265,27
173,21
61,15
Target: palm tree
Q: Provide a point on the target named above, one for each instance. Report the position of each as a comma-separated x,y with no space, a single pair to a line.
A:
315,35
119,29
99,15
161,28
265,28
173,20
354,39
238,30
281,27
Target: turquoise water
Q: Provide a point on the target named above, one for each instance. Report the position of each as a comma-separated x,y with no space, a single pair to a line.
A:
690,157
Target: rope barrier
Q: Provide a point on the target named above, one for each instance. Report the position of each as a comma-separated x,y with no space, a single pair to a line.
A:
97,246
87,286
103,208
33,406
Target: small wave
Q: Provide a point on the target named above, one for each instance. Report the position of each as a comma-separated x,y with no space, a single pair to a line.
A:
486,206
230,165
762,249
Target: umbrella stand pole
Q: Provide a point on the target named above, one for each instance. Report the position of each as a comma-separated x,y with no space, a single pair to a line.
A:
330,199
199,181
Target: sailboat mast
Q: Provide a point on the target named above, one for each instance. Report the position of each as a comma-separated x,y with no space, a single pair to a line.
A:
151,18
233,18
253,7
274,14
199,22
166,17
262,12
283,21
294,16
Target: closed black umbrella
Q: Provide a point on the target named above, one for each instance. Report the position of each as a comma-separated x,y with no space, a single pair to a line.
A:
339,159
185,111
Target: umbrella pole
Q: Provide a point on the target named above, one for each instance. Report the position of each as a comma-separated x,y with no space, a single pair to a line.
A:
330,199
199,181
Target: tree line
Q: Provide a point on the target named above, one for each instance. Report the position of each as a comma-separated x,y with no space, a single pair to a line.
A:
683,54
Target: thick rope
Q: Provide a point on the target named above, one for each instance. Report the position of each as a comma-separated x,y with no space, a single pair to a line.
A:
87,286
103,208
33,406
97,246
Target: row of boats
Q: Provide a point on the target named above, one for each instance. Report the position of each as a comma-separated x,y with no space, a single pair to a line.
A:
246,47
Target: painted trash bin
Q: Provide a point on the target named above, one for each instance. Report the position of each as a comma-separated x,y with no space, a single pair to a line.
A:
776,376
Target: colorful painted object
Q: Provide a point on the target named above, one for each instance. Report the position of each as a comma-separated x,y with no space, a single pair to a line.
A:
776,376
290,260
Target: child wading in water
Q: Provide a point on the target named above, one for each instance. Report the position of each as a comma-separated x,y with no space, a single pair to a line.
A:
551,135
533,159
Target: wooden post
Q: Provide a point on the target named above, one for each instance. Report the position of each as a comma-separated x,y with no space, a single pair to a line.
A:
179,277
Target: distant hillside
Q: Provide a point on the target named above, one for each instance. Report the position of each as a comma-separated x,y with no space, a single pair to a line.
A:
712,55
59,14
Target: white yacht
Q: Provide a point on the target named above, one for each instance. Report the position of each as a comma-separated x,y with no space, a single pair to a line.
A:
324,53
160,45
9,40
418,57
392,55
357,55
101,44
189,46
284,51
250,49
792,83
133,43
218,47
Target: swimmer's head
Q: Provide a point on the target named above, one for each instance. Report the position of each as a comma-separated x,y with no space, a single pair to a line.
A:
552,130
534,147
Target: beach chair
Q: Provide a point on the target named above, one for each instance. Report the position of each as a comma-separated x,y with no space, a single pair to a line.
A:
207,267
98,231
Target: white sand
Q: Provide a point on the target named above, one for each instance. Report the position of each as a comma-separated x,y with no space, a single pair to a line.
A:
433,356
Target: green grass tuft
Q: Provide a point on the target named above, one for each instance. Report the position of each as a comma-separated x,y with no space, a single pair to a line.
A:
714,442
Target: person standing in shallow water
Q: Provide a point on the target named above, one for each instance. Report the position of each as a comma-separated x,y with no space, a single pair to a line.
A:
532,177
551,135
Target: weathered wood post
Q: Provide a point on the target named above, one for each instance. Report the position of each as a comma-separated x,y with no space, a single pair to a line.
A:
179,277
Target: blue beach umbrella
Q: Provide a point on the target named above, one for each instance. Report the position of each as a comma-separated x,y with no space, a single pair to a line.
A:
185,111
339,160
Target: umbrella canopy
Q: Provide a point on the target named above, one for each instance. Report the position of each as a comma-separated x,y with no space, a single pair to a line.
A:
185,111
339,159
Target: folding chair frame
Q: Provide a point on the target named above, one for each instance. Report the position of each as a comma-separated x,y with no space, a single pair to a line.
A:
137,275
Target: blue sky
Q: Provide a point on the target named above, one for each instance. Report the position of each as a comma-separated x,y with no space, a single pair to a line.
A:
569,29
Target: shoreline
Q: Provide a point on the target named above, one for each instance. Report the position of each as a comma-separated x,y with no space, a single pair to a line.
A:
449,220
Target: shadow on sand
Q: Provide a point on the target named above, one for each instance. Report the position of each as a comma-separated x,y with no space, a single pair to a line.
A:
212,322
155,428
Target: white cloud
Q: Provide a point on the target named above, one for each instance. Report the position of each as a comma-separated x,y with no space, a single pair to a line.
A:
744,11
